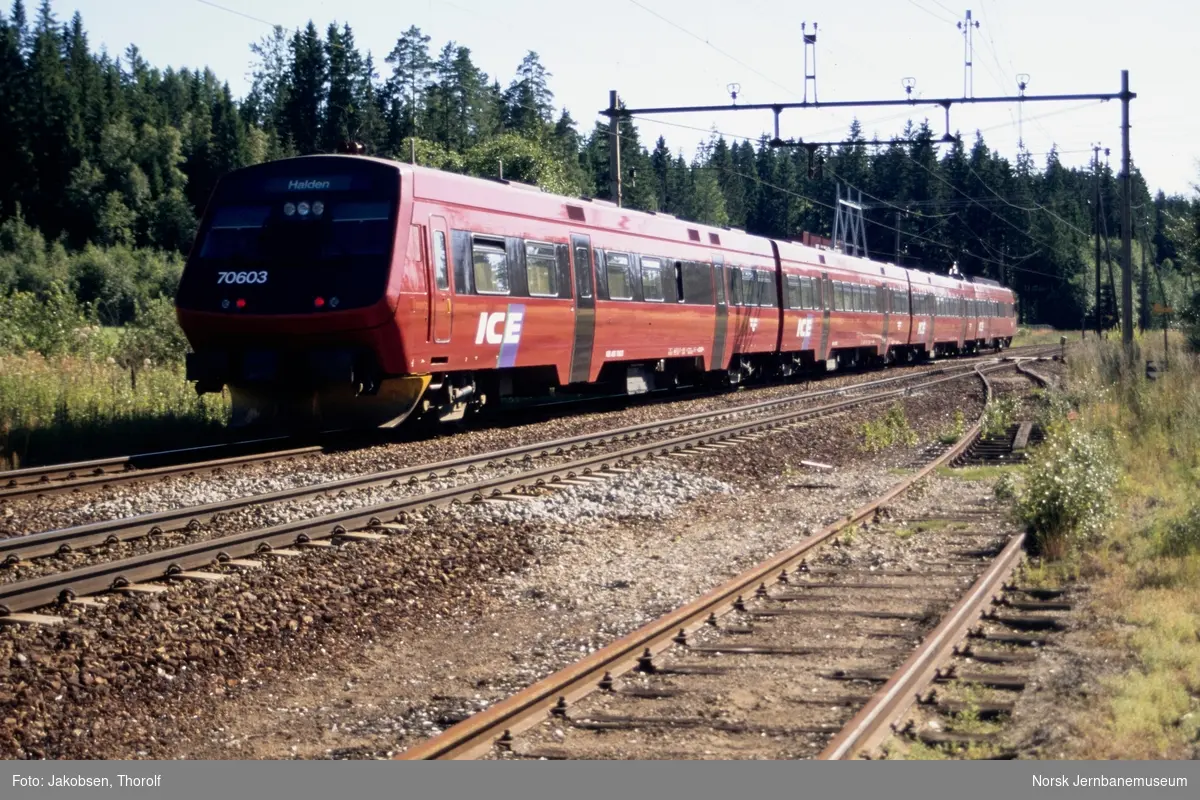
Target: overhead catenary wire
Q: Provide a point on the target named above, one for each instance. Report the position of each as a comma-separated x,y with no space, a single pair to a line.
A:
736,173
699,38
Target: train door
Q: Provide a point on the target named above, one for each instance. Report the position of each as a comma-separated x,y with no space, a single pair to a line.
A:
884,293
585,309
826,306
718,352
441,299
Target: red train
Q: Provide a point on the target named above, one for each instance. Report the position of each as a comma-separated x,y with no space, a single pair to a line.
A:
354,290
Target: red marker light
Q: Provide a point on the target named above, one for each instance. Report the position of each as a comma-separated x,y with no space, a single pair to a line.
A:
319,302
241,303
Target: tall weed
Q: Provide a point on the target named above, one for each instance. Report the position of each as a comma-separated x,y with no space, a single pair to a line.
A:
892,429
1067,497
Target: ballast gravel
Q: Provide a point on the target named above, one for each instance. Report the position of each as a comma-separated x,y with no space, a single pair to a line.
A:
363,650
121,501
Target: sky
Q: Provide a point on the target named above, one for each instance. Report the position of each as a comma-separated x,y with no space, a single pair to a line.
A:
686,52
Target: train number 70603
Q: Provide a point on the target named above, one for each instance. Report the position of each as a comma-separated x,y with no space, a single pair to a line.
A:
242,277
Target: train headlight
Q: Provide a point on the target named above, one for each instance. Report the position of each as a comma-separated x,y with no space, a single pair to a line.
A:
318,208
303,209
289,209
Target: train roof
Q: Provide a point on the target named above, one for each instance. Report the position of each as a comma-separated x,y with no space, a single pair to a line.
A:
531,201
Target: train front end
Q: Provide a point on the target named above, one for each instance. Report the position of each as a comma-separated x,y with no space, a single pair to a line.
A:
288,296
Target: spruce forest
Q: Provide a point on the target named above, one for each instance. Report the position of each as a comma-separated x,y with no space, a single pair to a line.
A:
106,163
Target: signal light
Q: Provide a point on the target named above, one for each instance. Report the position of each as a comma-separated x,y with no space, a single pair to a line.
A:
318,208
303,209
241,302
289,209
319,302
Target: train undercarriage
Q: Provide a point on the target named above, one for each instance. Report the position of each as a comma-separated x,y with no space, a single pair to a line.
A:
267,398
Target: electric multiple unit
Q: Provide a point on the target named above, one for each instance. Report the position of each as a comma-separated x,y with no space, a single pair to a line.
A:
345,290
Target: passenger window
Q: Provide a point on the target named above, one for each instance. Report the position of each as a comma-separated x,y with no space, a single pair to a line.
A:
652,288
541,266
735,286
766,289
793,291
617,267
719,282
583,270
491,266
441,272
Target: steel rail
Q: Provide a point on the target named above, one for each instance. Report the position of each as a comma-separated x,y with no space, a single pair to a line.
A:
1037,377
41,489
476,735
78,470
83,475
37,545
871,726
36,592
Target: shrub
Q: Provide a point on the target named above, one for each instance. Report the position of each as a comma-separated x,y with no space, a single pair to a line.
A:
1050,407
49,324
1068,494
955,432
891,430
1006,487
1000,413
154,335
1181,537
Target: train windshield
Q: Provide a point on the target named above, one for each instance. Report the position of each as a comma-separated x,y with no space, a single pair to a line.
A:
295,236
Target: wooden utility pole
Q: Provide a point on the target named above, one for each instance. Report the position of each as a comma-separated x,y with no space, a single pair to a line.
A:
1096,222
1126,226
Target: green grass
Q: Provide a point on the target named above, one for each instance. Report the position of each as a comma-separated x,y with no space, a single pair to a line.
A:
70,408
1144,570
1028,336
888,431
976,473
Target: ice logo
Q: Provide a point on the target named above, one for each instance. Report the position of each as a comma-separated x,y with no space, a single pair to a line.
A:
491,332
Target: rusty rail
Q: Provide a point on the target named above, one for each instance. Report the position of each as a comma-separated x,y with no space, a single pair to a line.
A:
36,592
871,726
84,475
478,734
46,543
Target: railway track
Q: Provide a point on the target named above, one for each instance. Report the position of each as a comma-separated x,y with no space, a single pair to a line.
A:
190,560
90,475
47,543
746,670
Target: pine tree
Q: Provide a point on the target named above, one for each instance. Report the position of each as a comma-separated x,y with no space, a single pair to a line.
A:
371,128
16,160
305,106
567,143
411,71
338,113
706,203
720,161
52,118
660,164
529,103
270,88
